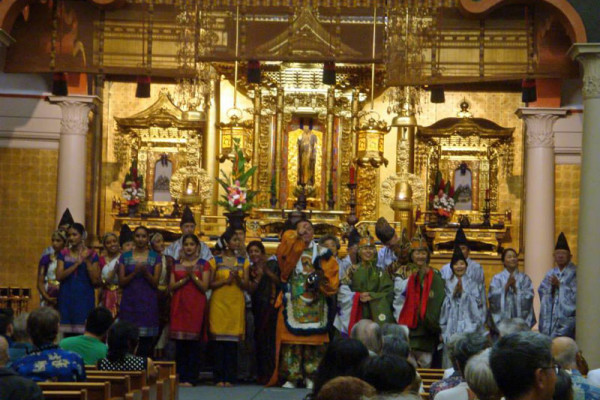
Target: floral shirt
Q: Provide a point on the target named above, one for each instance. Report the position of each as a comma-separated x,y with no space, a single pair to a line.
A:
582,389
50,363
445,384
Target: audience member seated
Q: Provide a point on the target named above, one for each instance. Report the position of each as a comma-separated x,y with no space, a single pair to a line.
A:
568,356
343,357
123,339
6,324
346,388
396,330
513,325
389,375
480,378
90,346
461,348
523,367
563,389
395,346
13,386
21,345
48,362
369,333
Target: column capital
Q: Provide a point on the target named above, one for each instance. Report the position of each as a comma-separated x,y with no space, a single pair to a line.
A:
75,112
588,54
540,123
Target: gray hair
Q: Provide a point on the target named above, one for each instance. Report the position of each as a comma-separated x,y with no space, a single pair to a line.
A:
515,359
4,357
512,325
480,378
466,346
395,330
20,328
369,333
395,346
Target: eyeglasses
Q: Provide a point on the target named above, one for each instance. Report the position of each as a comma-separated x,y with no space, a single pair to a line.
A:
555,367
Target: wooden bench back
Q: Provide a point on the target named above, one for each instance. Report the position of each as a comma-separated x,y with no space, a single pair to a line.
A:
119,385
137,378
95,390
65,394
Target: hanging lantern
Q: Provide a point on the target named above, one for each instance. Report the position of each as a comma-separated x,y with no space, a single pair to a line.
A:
232,131
253,72
528,91
329,73
370,143
59,84
142,89
437,94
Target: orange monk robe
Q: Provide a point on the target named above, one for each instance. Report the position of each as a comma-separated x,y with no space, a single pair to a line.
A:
288,254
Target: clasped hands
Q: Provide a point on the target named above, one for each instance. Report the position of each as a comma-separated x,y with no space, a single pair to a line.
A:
365,297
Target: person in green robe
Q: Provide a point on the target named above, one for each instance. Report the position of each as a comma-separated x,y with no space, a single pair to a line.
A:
373,287
423,304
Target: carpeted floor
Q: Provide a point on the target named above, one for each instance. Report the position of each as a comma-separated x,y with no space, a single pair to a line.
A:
241,392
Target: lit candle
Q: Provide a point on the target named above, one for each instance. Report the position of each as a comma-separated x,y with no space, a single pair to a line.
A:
352,175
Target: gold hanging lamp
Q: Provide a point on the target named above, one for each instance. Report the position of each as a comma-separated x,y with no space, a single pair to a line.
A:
236,130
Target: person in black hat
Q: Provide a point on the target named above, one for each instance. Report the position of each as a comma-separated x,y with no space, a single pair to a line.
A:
474,269
390,240
65,222
463,310
558,294
188,226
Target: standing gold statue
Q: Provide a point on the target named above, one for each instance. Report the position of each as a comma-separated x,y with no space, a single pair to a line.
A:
307,154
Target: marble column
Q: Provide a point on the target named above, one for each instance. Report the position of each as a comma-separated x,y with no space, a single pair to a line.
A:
72,157
588,273
539,192
210,145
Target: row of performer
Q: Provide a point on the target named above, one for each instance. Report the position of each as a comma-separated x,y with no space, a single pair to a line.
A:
299,298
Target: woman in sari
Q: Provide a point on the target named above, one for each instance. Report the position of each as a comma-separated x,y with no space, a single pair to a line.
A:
47,283
139,271
230,276
78,273
264,287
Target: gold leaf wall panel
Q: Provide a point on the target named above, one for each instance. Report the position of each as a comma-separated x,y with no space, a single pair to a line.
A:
566,203
27,211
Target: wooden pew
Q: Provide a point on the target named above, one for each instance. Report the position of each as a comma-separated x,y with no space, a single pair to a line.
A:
65,394
95,390
119,385
137,378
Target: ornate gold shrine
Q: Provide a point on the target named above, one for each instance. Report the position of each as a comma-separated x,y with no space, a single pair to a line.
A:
464,146
168,146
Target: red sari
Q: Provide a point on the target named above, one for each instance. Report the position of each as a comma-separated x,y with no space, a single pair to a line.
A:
188,305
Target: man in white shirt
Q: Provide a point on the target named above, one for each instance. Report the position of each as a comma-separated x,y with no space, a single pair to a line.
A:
187,225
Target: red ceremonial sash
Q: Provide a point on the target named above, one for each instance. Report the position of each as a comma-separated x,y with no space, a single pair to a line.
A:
355,313
410,311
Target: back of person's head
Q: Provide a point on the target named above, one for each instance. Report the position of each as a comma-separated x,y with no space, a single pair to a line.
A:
4,357
98,321
395,330
395,346
343,357
123,338
480,378
369,333
6,321
42,326
20,328
563,389
516,359
466,346
512,325
388,374
564,351
346,388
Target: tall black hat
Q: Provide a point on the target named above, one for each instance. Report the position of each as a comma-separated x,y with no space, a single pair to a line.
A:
188,216
66,219
457,256
126,235
384,230
353,237
561,243
460,238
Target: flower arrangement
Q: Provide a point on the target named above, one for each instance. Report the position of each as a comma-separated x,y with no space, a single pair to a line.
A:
238,197
133,186
441,196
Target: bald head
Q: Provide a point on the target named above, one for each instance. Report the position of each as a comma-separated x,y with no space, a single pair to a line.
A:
369,333
3,351
564,351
